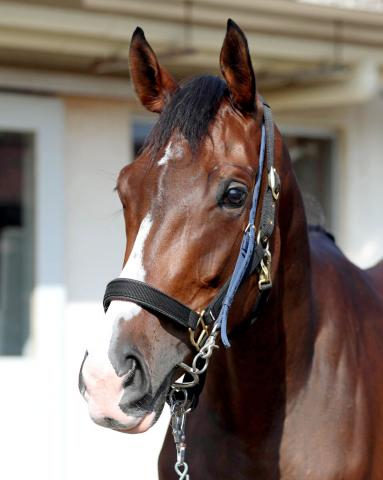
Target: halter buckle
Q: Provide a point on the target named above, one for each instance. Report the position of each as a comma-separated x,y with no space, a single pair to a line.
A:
204,333
265,282
274,182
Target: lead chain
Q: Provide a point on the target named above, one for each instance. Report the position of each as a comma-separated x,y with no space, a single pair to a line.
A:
178,427
179,408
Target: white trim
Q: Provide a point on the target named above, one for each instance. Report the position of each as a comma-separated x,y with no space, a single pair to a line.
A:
64,83
362,84
306,9
307,131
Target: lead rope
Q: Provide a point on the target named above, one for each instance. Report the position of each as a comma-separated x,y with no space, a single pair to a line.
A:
180,407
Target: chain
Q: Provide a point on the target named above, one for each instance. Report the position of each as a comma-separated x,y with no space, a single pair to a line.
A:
179,408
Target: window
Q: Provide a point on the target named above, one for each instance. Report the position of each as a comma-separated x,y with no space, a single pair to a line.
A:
141,130
16,240
312,162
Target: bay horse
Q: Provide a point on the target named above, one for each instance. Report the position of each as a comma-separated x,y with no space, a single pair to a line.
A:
299,394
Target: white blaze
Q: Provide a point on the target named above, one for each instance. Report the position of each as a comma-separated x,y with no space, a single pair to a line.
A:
134,268
104,387
164,160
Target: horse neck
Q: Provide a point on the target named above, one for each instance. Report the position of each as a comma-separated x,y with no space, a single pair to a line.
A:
268,361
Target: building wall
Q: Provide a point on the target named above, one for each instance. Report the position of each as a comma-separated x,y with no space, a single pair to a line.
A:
362,233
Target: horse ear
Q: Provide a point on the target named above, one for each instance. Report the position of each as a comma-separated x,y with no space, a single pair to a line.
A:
152,83
237,69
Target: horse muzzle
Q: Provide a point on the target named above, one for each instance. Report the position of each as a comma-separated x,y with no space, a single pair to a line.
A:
118,396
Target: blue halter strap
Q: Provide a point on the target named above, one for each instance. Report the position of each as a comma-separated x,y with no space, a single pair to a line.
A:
246,250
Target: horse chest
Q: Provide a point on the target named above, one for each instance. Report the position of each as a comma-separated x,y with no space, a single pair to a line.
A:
330,441
306,445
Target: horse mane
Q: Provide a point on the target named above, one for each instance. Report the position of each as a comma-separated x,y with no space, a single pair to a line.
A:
189,111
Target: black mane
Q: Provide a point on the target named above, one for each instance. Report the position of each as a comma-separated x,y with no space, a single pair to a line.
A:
189,111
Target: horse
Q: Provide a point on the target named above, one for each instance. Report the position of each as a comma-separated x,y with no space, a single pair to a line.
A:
299,393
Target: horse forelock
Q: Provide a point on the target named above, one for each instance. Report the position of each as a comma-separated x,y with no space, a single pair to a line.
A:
189,111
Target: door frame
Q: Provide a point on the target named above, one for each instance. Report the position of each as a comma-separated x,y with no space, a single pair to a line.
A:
43,367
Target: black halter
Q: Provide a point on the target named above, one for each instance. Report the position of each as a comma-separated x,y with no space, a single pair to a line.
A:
160,303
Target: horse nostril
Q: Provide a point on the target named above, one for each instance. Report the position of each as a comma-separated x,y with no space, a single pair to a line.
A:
81,383
132,365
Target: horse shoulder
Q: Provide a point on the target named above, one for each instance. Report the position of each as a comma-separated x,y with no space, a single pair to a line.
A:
339,435
347,304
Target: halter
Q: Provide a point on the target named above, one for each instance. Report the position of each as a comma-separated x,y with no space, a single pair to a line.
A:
254,256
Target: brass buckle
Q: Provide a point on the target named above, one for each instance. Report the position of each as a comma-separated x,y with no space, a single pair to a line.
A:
265,281
204,333
274,182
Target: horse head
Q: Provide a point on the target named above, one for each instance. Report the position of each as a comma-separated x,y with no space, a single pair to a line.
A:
186,201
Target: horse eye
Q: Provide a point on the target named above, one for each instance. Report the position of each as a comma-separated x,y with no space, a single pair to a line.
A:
234,196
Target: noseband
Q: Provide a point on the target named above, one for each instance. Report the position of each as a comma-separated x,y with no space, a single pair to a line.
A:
254,257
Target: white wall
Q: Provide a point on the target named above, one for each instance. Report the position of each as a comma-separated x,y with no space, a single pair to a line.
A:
362,234
97,146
